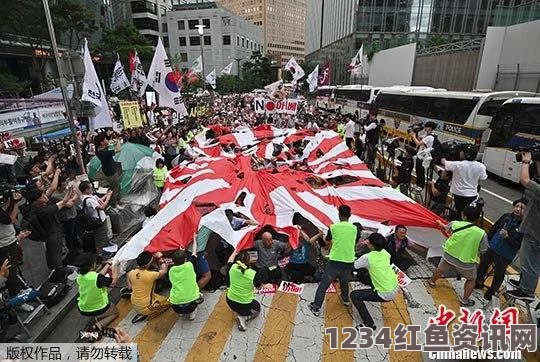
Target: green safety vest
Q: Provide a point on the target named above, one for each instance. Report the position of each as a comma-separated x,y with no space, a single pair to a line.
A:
341,129
382,275
463,245
91,298
343,242
159,176
184,288
241,285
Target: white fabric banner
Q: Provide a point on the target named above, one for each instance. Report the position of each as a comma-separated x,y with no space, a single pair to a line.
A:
93,93
211,78
138,78
161,78
313,79
197,65
227,69
119,81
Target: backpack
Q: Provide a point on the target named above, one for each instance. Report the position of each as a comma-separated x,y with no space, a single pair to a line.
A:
88,222
55,288
437,149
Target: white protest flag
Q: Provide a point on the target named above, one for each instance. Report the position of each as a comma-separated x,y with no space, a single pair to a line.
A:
119,81
356,61
162,79
93,93
197,65
227,69
296,70
271,88
313,79
211,78
138,77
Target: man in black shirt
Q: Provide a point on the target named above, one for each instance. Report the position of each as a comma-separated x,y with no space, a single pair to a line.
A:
438,191
111,169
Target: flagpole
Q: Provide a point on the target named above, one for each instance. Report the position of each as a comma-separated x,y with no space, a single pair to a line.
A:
78,153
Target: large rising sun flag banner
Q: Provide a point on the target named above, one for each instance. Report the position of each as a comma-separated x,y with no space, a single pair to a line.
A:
162,78
308,186
93,92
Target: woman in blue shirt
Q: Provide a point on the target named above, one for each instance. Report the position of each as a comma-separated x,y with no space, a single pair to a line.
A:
299,267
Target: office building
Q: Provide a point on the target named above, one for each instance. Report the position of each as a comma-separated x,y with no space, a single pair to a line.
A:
227,37
397,22
146,15
283,23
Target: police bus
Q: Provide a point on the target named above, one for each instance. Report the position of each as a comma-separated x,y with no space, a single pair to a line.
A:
516,125
460,116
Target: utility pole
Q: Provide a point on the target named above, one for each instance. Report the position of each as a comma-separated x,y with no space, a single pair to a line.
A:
78,153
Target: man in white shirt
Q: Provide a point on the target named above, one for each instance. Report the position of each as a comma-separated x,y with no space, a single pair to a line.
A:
94,207
466,175
349,133
422,144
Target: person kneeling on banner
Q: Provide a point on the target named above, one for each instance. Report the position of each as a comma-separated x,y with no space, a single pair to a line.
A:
93,300
185,295
384,279
504,243
141,281
240,295
299,268
397,245
268,253
461,251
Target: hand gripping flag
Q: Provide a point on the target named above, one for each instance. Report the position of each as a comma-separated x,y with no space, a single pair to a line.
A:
296,70
93,93
119,81
162,78
313,79
227,69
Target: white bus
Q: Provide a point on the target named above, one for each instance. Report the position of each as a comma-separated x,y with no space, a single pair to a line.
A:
460,116
325,97
515,125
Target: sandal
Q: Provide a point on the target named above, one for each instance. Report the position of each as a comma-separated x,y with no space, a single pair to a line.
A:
466,303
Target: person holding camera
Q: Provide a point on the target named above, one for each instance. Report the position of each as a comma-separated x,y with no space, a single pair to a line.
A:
466,174
95,207
9,241
371,128
529,253
421,144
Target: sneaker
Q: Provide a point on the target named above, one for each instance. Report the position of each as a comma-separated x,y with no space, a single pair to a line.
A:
26,308
466,302
192,315
125,293
138,318
362,325
521,295
514,283
200,299
241,322
314,309
488,295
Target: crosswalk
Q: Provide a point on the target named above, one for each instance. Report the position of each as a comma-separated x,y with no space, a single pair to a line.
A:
286,330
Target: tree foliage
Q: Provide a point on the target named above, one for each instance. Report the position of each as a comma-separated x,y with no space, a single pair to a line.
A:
11,85
228,83
122,40
74,20
257,72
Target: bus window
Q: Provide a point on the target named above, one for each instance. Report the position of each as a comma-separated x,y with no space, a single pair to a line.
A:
460,110
512,119
421,106
439,108
490,107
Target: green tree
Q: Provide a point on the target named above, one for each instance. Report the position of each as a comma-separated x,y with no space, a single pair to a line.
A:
12,86
257,72
436,40
74,20
122,40
228,83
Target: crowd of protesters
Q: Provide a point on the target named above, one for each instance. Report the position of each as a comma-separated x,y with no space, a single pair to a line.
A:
53,197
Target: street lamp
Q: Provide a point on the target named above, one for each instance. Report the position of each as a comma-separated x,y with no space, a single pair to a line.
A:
200,29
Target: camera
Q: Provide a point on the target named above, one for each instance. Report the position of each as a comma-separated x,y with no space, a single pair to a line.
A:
416,127
8,192
534,150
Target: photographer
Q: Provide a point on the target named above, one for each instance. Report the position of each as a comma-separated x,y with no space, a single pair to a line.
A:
8,239
529,253
421,144
466,174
